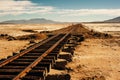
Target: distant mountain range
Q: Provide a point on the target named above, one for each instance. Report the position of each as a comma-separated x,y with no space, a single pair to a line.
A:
117,19
30,21
46,21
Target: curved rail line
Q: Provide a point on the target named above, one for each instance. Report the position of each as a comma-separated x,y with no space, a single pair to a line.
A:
33,63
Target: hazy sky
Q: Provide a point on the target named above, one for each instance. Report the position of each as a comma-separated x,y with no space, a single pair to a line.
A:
59,10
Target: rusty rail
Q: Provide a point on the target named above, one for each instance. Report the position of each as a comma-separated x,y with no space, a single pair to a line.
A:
24,72
33,62
24,52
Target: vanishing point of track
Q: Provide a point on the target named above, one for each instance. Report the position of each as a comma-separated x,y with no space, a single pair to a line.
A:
35,62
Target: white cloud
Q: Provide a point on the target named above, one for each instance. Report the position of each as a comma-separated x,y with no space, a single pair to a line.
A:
25,6
19,7
84,12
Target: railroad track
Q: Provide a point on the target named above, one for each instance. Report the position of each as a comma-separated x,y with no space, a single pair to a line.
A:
35,62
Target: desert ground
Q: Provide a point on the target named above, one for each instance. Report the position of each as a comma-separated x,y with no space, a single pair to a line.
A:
94,59
111,28
8,47
17,29
97,59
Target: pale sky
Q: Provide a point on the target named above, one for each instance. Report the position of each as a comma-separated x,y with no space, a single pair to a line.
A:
60,10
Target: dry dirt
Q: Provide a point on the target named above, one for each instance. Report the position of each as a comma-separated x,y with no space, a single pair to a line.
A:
8,47
96,58
101,27
16,30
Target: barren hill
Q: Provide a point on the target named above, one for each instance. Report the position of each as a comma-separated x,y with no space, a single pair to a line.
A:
30,21
117,19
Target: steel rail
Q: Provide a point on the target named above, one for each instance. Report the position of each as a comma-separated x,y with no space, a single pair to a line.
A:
33,64
25,51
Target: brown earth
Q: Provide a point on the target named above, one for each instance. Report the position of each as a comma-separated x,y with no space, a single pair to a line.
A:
14,37
8,47
97,58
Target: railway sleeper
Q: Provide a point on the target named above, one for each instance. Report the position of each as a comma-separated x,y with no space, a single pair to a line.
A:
24,60
31,60
44,64
38,50
55,55
28,57
53,41
48,60
50,57
22,67
19,63
39,68
2,59
60,45
28,60
29,77
71,44
64,41
50,43
15,53
6,77
9,57
10,71
55,51
33,54
40,73
13,67
43,46
57,48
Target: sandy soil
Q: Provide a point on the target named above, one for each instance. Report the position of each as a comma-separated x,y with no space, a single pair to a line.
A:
114,33
98,58
93,58
16,29
101,27
8,47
